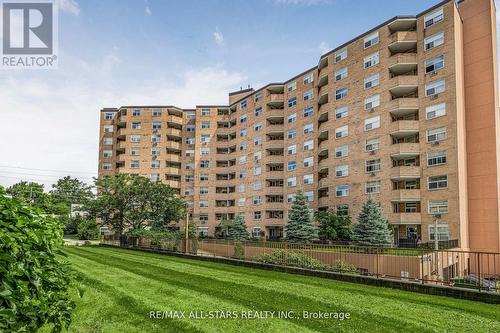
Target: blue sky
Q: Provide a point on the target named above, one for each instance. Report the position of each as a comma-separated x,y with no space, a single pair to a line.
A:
117,52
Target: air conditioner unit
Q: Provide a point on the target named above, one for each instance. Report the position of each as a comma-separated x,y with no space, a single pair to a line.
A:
432,73
371,110
435,143
434,96
373,174
372,152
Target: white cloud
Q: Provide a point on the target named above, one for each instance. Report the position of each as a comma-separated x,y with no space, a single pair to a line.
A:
148,10
301,2
69,6
324,47
218,37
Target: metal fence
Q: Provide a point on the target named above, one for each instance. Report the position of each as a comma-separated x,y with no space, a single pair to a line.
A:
453,268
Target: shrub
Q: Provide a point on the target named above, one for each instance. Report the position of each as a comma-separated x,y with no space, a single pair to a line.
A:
88,229
34,280
239,251
344,267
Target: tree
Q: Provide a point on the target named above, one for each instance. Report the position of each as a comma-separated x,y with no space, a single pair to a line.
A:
88,229
299,228
30,193
238,229
372,228
69,191
333,227
34,280
126,202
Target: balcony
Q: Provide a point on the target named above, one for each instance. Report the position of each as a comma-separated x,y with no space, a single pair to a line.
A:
404,127
276,100
323,62
172,171
403,106
173,145
274,144
273,190
173,132
173,158
404,195
174,120
323,117
405,172
324,201
404,86
323,163
402,63
323,98
275,129
173,183
403,24
275,205
406,149
274,114
323,81
403,41
323,183
405,218
323,145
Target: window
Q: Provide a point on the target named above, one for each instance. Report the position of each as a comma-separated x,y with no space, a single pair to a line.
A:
308,128
257,156
435,111
135,151
372,144
290,198
434,64
136,113
372,102
308,179
258,96
443,232
309,196
155,177
243,174
155,164
243,132
205,138
372,81
371,60
257,170
291,182
258,112
308,78
155,138
243,159
257,185
189,179
243,146
203,204
292,86
256,230
241,202
433,18
243,119
256,200
341,93
308,162
341,74
205,112
308,95
205,124
155,151
291,150
108,141
437,182
342,170
292,133
156,125
204,151
191,115
434,88
436,134
308,145
190,128
433,41
243,104
156,113
108,128
341,55
292,165
372,123
257,127
341,132
373,165
204,176
257,141
108,115
107,166
292,118
308,112
343,210
292,102
342,190
134,164
438,206
204,164
135,138
189,166
342,151
372,187
371,40
107,153
189,141
437,158
341,112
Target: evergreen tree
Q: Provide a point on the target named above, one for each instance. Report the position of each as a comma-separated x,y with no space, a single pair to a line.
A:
238,229
299,228
372,228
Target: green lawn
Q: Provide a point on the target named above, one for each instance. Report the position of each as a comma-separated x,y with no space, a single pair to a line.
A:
123,286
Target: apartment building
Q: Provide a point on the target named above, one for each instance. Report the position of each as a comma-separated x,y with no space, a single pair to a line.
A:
405,113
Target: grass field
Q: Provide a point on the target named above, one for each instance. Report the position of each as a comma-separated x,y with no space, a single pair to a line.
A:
123,286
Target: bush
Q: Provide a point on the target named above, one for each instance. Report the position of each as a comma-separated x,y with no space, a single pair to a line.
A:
344,267
153,234
34,280
239,251
88,229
